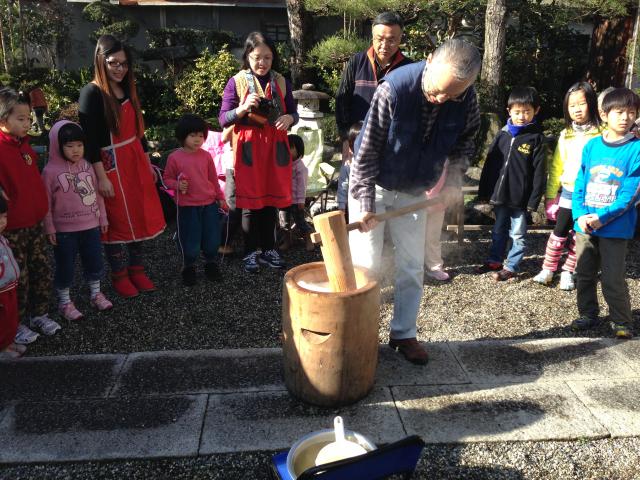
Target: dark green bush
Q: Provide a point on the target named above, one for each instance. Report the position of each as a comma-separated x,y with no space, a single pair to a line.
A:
543,51
161,137
112,19
62,88
156,91
193,38
553,126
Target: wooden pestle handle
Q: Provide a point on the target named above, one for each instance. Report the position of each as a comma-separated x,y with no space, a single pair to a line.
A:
316,238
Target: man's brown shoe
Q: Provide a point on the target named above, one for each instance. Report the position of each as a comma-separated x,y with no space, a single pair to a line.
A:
411,349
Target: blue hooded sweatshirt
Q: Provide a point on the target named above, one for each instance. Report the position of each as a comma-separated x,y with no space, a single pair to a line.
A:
608,184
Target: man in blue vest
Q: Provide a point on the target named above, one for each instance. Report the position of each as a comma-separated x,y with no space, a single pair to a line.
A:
421,115
363,71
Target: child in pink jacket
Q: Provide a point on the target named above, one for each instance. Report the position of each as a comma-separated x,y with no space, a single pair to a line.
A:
76,217
190,171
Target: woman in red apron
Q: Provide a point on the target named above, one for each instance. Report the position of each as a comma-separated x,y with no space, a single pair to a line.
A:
259,102
111,117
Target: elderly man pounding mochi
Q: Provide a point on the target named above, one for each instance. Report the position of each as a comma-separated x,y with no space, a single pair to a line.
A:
421,115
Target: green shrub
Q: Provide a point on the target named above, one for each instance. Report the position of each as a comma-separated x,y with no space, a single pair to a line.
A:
330,129
199,89
335,50
329,56
285,52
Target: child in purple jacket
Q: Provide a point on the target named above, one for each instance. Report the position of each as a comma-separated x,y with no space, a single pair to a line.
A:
76,217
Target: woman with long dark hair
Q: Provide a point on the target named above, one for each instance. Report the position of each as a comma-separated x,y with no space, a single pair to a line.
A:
111,117
259,102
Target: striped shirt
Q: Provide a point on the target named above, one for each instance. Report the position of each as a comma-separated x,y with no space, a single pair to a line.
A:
366,165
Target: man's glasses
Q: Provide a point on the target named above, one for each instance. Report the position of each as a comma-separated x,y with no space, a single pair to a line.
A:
115,65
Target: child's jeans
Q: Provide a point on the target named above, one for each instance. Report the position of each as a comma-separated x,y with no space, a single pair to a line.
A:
608,256
297,215
87,244
511,223
199,229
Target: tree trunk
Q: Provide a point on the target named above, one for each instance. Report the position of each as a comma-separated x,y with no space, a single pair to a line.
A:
10,21
607,55
4,48
23,41
493,59
301,28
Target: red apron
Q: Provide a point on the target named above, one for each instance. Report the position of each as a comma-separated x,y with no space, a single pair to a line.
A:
262,163
134,213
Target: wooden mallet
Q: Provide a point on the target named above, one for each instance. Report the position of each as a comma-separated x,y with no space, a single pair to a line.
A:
332,233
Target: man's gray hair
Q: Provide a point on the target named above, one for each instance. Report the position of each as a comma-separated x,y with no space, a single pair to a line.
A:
462,57
8,99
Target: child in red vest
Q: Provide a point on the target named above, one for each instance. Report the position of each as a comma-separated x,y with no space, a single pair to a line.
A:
9,274
23,188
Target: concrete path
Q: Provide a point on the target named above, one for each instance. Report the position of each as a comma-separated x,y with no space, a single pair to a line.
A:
160,404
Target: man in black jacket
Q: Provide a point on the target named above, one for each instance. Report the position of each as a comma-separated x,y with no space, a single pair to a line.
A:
363,71
514,178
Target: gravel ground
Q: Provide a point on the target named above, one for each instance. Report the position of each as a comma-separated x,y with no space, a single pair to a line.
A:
243,311
617,459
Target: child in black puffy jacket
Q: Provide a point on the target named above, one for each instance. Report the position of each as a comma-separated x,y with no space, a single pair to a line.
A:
514,178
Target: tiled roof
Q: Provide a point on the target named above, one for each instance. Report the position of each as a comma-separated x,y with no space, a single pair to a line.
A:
220,3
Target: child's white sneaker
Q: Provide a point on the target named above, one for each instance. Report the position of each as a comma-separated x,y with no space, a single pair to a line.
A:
45,324
25,336
566,281
544,277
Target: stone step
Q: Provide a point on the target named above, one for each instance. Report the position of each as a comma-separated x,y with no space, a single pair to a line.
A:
164,404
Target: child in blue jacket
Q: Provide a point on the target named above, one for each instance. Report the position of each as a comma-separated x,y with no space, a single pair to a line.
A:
605,194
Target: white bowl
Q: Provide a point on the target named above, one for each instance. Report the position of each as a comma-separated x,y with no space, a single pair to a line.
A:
303,453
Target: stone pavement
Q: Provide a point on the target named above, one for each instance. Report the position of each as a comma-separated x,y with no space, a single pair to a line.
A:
188,403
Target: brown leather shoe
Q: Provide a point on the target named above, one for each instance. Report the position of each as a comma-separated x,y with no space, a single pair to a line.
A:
504,275
411,349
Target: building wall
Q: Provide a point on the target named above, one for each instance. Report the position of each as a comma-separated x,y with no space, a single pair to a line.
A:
240,21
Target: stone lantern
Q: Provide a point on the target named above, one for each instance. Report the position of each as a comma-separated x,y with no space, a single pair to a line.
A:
309,128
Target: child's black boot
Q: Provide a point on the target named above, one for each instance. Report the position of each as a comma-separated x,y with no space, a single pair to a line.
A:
189,276
212,272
